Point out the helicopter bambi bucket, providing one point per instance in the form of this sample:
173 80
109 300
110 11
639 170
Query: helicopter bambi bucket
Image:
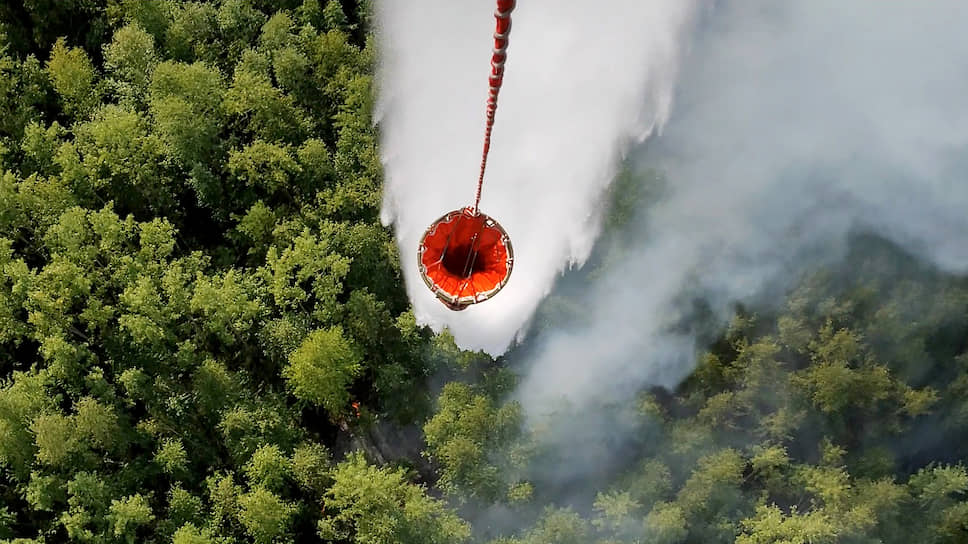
465 257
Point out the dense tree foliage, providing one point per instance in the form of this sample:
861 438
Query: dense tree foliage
196 289
204 338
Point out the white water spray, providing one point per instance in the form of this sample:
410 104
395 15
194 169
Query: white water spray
582 81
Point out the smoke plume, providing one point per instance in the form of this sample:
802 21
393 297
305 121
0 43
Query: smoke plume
795 125
582 81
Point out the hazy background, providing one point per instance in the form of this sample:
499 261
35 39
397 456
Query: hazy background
795 124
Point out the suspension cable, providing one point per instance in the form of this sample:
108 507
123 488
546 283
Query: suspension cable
499 56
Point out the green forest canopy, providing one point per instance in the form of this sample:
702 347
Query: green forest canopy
196 291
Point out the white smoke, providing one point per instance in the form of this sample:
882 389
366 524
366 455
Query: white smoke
796 123
582 81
